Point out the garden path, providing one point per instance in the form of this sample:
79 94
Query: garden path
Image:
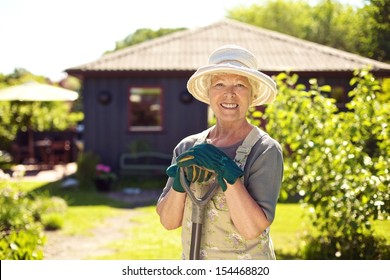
60 246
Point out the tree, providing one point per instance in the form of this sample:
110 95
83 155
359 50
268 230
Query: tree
364 30
336 25
39 116
379 14
141 35
19 76
278 15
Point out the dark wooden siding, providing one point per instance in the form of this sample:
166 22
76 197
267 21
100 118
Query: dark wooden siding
106 126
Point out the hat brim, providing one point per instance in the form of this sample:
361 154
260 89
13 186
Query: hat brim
264 92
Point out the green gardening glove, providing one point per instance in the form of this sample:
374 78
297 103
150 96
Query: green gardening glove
192 174
174 172
196 174
211 158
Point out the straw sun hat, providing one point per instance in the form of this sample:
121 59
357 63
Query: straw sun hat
233 60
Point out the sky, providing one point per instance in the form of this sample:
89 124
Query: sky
46 37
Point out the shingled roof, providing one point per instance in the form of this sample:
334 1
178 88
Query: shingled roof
189 49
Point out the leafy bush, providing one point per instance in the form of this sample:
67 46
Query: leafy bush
350 247
5 160
86 169
22 244
50 211
336 162
21 236
52 221
22 221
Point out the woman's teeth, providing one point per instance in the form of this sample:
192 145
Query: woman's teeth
229 105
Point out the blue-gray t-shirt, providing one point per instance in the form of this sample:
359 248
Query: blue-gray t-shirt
263 171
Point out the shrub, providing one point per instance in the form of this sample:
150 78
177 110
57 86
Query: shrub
22 244
5 161
86 169
336 163
351 247
52 221
23 218
21 236
50 211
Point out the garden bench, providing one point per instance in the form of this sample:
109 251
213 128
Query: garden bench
144 163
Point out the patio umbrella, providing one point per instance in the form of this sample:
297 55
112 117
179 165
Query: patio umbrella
33 91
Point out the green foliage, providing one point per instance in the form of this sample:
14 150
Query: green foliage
19 76
5 161
378 12
86 169
53 221
337 162
50 211
278 15
23 244
23 218
37 116
334 24
363 30
141 35
21 236
350 247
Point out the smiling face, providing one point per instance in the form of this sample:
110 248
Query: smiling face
230 97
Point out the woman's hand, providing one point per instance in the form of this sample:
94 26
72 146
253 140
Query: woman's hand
211 159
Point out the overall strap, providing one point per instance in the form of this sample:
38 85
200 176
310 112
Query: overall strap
245 148
243 151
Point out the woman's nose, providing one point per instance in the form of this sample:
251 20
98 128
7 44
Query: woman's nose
230 90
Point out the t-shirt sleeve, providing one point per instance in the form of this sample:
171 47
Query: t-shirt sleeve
183 145
169 182
264 174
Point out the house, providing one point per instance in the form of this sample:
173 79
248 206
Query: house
136 99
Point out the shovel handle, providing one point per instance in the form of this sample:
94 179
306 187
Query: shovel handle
199 201
198 207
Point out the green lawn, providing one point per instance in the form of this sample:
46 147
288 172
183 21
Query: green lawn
147 239
286 230
151 241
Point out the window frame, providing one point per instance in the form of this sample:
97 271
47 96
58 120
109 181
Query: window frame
145 128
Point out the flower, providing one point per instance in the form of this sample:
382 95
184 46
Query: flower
103 172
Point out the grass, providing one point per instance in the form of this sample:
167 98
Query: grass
147 239
287 229
86 209
151 241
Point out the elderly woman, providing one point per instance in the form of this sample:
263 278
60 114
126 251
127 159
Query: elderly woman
244 160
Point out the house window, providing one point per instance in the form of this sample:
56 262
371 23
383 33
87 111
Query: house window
145 112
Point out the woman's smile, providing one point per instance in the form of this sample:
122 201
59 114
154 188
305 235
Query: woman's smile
229 105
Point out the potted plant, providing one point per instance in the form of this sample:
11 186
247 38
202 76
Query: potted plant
104 177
